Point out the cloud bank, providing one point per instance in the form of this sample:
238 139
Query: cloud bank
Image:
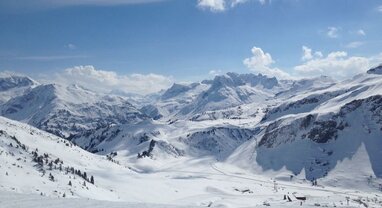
338 64
106 81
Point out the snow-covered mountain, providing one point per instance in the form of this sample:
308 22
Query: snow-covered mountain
13 85
68 110
375 70
219 138
232 90
226 95
300 120
316 133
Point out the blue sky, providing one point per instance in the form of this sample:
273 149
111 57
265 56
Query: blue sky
191 39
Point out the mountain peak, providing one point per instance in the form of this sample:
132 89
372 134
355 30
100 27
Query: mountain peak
375 70
9 80
175 90
235 79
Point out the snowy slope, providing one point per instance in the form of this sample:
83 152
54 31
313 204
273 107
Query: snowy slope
22 145
177 182
182 138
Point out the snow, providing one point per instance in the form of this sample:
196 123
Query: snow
13 85
235 141
11 200
67 110
184 181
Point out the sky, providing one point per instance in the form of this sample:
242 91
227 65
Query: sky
111 42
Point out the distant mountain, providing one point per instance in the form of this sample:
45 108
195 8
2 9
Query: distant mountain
173 100
12 85
232 90
68 110
184 101
222 96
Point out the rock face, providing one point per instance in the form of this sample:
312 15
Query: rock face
220 141
317 142
375 70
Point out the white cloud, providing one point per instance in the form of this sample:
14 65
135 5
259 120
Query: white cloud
376 60
263 1
361 32
213 5
106 81
379 8
354 44
259 58
222 5
260 62
336 64
71 46
236 2
215 72
307 53
318 54
332 32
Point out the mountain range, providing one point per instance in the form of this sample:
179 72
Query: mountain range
287 132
